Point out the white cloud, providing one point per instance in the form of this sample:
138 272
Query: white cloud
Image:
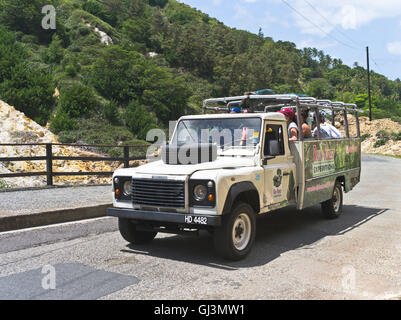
394 47
346 14
217 2
310 43
241 12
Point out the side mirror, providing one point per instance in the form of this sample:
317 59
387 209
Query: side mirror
266 158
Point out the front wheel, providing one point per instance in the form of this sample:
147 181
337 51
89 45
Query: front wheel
333 207
129 232
235 238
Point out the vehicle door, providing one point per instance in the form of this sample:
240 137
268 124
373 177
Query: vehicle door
278 165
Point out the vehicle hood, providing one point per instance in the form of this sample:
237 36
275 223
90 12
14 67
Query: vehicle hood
161 168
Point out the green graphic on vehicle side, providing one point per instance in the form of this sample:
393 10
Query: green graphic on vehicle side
325 161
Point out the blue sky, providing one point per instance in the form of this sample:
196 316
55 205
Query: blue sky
341 28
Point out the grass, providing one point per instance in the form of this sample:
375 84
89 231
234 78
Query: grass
365 136
397 136
380 142
97 130
4 185
386 155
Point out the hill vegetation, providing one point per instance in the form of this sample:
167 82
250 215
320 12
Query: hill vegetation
160 59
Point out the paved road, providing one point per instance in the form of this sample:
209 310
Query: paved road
32 201
297 255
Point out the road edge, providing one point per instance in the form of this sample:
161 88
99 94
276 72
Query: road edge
45 218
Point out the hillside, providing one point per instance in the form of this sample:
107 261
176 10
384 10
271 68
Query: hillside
122 67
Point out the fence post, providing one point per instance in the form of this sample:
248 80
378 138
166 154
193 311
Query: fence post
49 164
126 157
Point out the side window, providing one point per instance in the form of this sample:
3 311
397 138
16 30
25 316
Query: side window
274 141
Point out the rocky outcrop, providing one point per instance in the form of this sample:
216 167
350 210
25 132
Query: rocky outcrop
15 127
370 129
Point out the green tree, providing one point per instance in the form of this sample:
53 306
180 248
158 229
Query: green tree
77 100
321 89
29 89
139 120
160 3
55 52
26 16
111 112
137 30
62 122
116 74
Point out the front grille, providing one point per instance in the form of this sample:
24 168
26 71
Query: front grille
158 193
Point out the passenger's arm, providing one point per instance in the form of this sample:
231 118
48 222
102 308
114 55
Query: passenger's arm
293 134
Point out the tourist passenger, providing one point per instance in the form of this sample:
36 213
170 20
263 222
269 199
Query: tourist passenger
235 110
326 129
292 127
306 130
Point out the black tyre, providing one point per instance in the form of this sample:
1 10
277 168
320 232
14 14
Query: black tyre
129 232
235 238
333 207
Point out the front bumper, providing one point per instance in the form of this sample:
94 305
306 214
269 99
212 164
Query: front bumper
157 216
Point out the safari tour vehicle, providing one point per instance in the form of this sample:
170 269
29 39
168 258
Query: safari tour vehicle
221 170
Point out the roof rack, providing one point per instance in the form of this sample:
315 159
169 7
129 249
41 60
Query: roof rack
252 102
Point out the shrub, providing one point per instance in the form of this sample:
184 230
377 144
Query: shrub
380 142
116 74
62 122
160 3
397 136
365 136
383 134
84 31
71 70
111 112
139 120
30 91
77 100
29 39
55 52
3 185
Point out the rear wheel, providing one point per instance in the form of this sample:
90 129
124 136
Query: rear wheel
333 207
129 232
235 238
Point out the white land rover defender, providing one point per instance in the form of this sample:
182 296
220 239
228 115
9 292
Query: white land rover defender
220 171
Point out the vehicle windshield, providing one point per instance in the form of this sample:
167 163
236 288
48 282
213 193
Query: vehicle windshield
225 132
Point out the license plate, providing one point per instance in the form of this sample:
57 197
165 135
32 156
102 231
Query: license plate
196 220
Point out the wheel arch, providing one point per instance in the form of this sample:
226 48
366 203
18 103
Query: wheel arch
243 192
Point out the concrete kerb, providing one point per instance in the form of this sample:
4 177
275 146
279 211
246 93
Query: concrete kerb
9 223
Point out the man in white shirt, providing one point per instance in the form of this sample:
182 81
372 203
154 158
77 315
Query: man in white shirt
326 129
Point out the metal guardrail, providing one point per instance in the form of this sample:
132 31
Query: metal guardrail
49 158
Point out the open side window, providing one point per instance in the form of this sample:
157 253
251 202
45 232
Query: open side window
274 141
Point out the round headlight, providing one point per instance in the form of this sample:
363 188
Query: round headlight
116 181
200 192
127 188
